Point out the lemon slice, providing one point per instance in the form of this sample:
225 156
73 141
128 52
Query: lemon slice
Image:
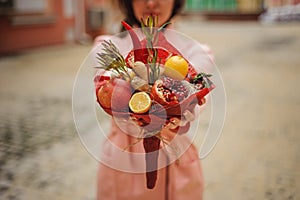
140 102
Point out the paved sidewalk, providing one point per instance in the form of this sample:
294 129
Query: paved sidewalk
257 156
41 154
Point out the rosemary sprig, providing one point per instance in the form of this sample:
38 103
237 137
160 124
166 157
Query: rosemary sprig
112 59
150 30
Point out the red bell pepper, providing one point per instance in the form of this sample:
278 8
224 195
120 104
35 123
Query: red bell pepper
139 50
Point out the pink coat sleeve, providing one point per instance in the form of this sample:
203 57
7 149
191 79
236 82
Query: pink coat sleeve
99 39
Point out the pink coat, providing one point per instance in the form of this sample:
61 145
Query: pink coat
180 180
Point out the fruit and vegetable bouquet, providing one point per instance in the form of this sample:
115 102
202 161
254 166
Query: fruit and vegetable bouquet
153 85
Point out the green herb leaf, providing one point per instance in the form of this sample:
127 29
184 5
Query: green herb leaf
163 26
150 31
203 78
112 59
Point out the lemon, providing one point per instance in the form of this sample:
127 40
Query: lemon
176 67
140 102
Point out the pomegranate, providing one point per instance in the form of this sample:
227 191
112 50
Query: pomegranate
168 91
163 95
121 95
115 94
104 94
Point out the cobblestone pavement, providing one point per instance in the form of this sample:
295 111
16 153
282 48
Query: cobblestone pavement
257 157
41 156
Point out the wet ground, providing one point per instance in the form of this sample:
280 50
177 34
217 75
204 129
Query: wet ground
257 156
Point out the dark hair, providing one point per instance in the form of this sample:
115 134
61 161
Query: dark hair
127 9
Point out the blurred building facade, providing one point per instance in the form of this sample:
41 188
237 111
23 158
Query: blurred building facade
30 23
235 6
243 9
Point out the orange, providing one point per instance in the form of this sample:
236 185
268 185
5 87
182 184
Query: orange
140 102
176 67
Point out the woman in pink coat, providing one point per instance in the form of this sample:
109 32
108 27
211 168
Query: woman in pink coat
181 179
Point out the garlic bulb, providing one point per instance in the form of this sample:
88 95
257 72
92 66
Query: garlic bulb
139 84
140 69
